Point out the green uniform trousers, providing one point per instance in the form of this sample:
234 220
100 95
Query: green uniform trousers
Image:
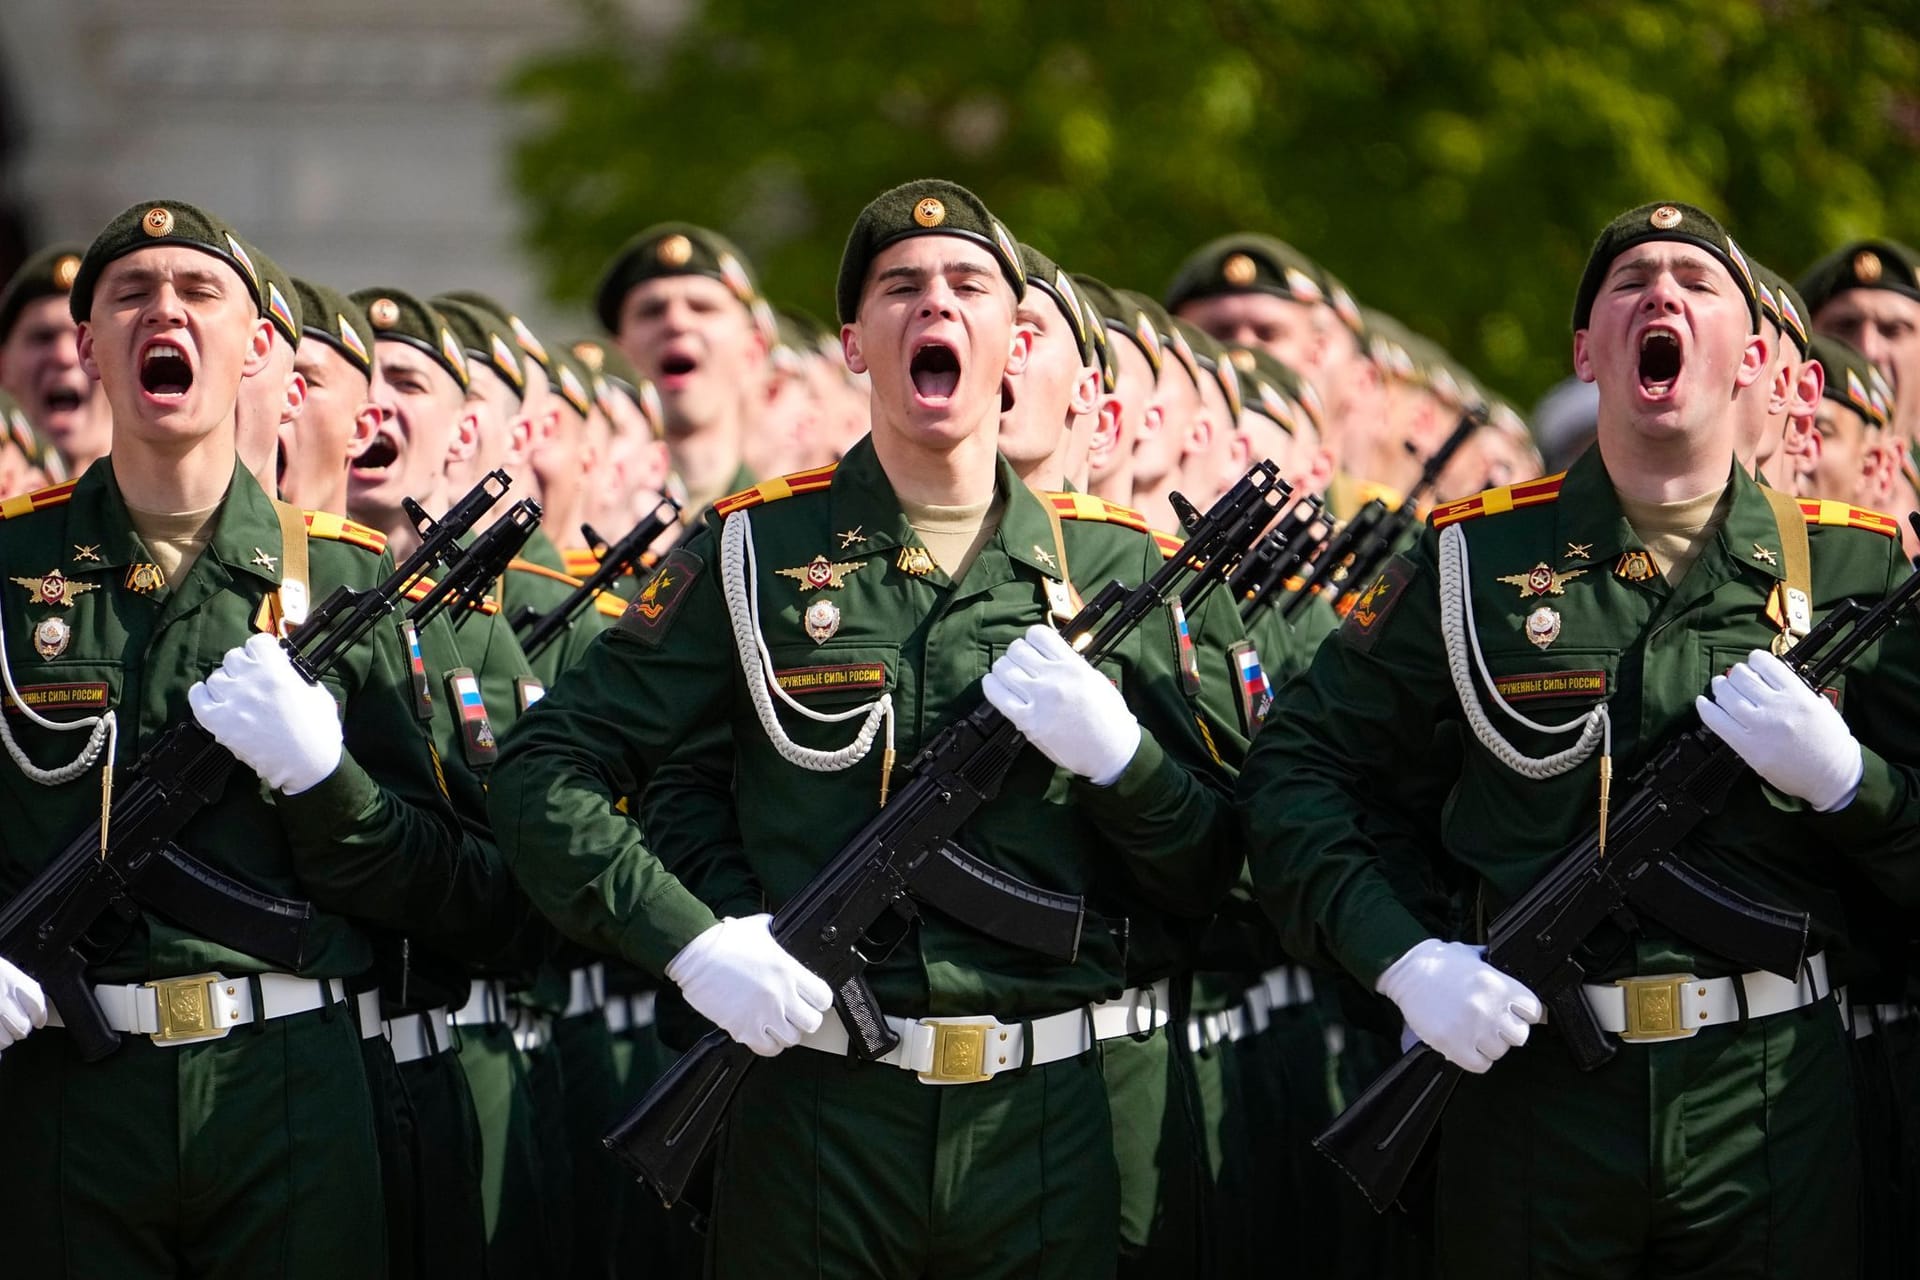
394 1140
512 1191
652 1242
450 1229
547 1085
592 1105
831 1167
1164 1183
1727 1155
250 1157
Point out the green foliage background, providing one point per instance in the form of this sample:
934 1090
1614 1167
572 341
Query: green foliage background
1449 159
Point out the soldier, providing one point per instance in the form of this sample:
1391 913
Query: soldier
1867 294
927 292
1790 388
40 362
1165 426
1850 423
681 302
1719 1139
191 1149
271 400
1134 340
335 361
23 459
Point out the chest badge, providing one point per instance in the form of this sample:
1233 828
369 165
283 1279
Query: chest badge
85 551
51 637
822 620
55 588
916 562
145 578
1543 627
822 574
1541 580
1635 566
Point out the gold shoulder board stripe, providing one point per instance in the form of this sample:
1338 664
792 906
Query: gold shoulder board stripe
1831 511
1167 543
332 528
39 500
541 571
1493 502
777 488
609 604
418 592
1084 506
580 561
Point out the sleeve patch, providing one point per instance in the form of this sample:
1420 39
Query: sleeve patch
652 611
1370 610
1251 684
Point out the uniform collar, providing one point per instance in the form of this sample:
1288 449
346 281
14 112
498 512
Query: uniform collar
245 532
1591 521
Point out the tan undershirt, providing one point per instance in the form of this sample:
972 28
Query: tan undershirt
175 538
955 534
1677 532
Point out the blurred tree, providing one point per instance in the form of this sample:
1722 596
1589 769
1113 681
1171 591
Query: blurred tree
1449 161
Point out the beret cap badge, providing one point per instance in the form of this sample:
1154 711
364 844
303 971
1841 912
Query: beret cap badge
674 251
1238 269
65 269
1866 266
1666 217
930 212
384 312
158 222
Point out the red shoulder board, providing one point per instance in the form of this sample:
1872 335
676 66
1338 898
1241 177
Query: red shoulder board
1494 501
580 561
1084 506
418 592
1168 544
333 528
1831 511
777 488
39 500
541 571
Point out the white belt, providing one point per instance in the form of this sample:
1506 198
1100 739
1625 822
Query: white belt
409 1035
1865 1019
625 1013
206 1006
1134 1012
486 1005
968 1050
1283 988
1204 1030
366 1006
1673 1006
586 990
534 1031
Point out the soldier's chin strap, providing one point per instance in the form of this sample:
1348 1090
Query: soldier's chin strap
1463 639
740 578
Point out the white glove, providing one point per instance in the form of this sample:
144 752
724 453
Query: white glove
737 977
1793 737
275 723
1063 706
23 1006
1458 1003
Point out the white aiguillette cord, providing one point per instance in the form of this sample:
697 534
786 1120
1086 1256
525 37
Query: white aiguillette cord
740 578
106 733
1462 638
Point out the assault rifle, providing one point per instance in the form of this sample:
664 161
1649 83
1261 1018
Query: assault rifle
1627 864
906 855
1384 536
468 575
1263 572
58 924
1334 556
538 630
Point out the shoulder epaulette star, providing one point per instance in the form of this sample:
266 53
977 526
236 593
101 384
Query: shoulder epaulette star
418 592
1493 502
580 561
332 528
39 500
777 488
541 571
1084 506
1833 511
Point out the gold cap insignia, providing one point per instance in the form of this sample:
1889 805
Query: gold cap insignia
930 212
1238 269
590 354
158 221
384 312
1866 266
1242 359
65 268
1666 217
674 251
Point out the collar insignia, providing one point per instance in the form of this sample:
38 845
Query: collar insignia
83 551
262 559
851 537
1579 551
1764 555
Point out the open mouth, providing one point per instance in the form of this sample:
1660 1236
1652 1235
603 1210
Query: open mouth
64 400
935 370
380 454
676 367
1659 361
1007 397
280 466
165 371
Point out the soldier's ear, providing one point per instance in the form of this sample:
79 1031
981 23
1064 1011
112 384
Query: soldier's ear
365 423
259 346
1086 392
1754 358
466 435
1019 347
296 397
83 343
1808 386
850 348
1582 359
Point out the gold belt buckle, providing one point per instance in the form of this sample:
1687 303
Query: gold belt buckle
959 1052
186 1008
1653 1007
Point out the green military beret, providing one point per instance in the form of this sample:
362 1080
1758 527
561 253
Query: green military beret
46 274
279 301
329 316
1852 380
794 342
1780 303
798 325
673 249
1664 221
927 207
523 337
614 375
1210 358
1248 263
1136 316
1275 391
400 317
1044 274
484 336
1387 344
152 223
1864 264
571 380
